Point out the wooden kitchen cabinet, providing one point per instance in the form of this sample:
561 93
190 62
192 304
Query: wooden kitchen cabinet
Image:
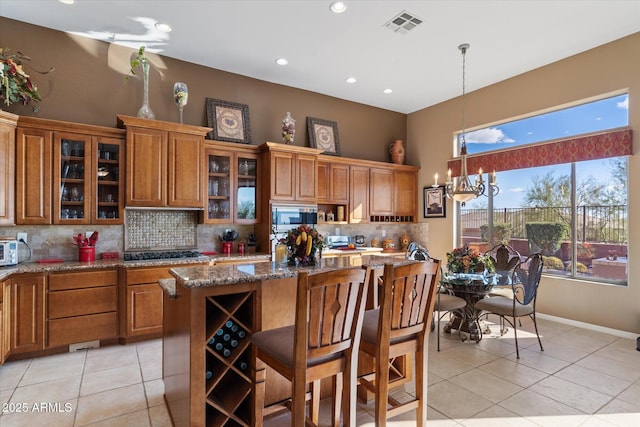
291 172
8 123
165 164
140 302
5 319
381 192
82 306
27 318
33 176
58 167
406 195
333 188
232 183
359 194
333 182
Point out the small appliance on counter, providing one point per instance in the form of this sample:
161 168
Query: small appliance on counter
8 252
338 242
359 240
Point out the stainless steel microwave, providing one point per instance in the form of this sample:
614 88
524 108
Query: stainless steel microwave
285 217
8 252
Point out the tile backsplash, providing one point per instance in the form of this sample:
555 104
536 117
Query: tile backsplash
160 229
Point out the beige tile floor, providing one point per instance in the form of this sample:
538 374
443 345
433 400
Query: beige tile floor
583 378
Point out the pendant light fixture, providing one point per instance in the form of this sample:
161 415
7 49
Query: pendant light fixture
461 188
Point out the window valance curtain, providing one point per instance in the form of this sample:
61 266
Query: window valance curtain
613 143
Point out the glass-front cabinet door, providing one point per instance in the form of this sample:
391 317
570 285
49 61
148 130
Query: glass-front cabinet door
246 189
220 179
109 188
72 183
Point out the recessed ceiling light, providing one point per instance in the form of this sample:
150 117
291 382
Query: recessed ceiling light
338 7
387 91
66 1
351 80
165 28
281 61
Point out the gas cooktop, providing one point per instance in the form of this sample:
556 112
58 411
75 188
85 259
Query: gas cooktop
142 256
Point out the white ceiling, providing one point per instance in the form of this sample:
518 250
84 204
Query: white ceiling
423 67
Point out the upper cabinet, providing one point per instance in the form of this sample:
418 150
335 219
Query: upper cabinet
333 189
68 173
358 194
165 164
406 195
381 201
232 183
291 172
393 194
8 123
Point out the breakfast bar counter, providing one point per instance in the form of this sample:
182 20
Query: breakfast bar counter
210 312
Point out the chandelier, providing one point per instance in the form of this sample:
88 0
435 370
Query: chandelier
461 188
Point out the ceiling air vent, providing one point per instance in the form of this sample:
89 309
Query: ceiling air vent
403 22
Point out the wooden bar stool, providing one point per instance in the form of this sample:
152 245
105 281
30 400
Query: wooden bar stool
399 327
323 343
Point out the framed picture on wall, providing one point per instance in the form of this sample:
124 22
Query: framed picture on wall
435 205
323 134
229 120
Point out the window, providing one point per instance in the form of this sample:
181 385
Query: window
571 207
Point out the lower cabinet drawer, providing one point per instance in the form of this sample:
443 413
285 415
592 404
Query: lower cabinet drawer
82 328
79 302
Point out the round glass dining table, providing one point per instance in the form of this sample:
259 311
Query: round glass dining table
472 288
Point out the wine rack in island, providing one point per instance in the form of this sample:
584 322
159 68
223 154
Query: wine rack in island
230 322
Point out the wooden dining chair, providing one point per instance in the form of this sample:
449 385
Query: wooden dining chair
401 326
446 303
322 343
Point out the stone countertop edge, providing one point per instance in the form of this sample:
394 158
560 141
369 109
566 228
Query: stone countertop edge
70 266
221 275
169 286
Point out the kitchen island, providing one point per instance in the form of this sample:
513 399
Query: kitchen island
210 313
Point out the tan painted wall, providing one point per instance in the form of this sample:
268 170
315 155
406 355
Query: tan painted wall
88 86
609 68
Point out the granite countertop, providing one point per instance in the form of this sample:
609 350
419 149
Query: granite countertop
67 266
220 275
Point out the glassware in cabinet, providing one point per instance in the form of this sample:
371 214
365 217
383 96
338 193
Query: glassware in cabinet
219 194
72 183
108 184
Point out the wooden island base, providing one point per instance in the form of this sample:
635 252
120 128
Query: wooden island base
205 386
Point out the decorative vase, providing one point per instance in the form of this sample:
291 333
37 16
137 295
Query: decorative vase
288 129
180 96
145 111
396 149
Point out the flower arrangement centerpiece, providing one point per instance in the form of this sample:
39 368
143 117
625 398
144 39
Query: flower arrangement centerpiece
304 244
468 260
15 84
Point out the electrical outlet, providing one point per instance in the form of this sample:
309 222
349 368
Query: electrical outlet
88 234
22 236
